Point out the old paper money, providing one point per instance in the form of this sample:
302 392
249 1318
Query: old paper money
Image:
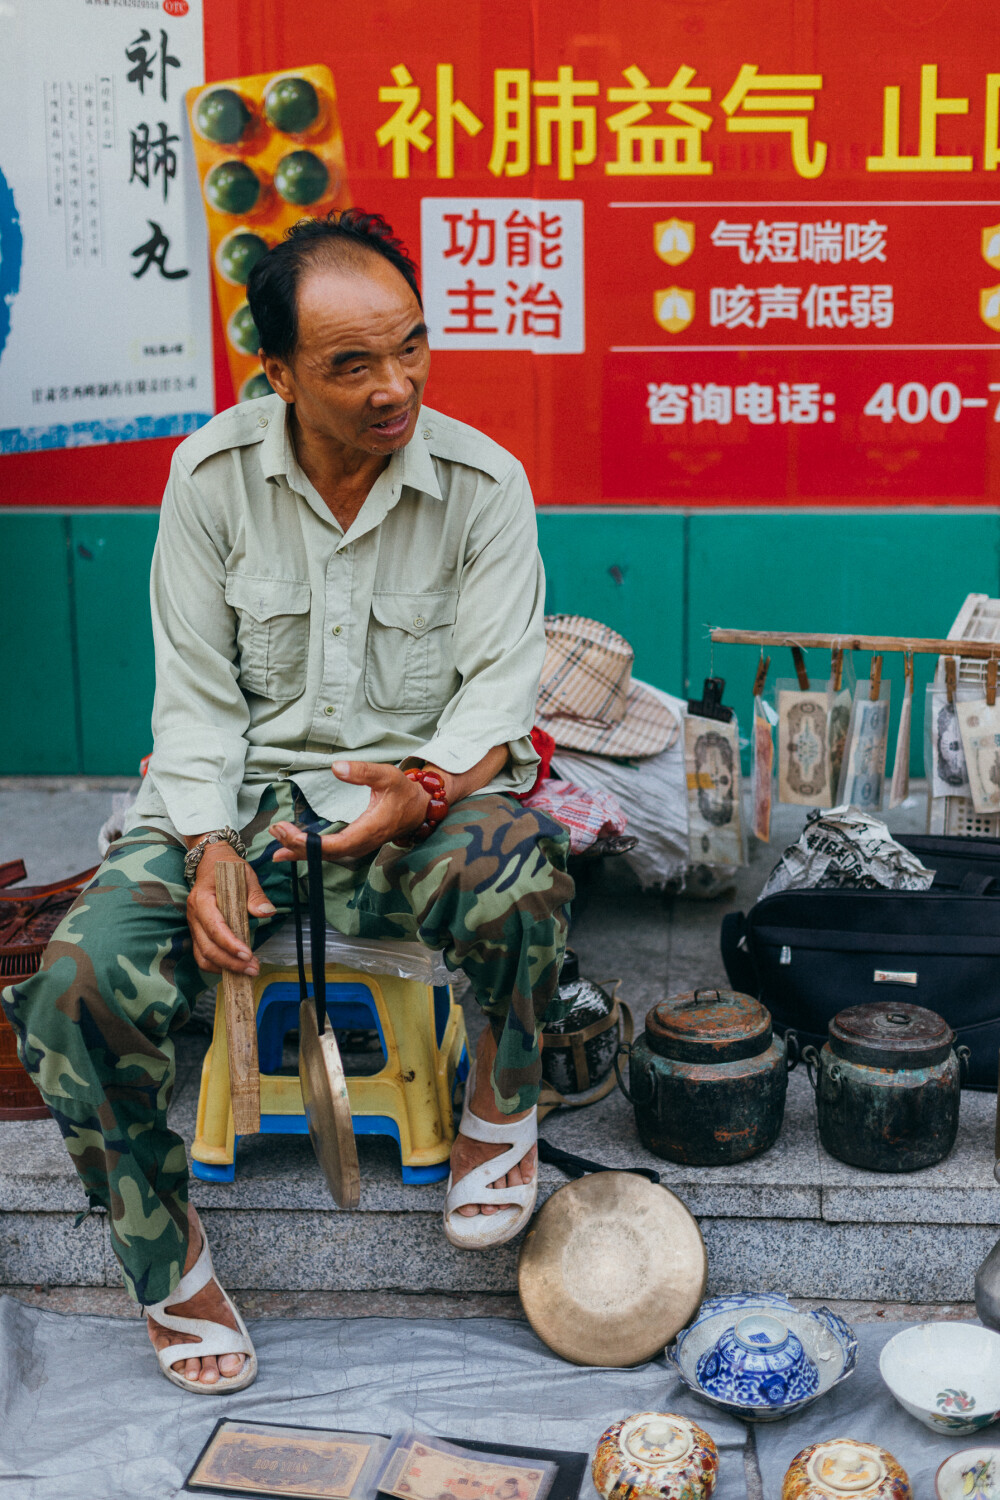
836 733
980 729
803 748
763 767
868 740
948 773
423 1471
899 788
712 764
297 1463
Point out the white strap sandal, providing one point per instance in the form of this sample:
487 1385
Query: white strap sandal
213 1338
482 1231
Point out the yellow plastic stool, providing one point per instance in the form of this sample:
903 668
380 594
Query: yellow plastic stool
422 1031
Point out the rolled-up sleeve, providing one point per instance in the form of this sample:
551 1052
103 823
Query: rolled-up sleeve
499 641
200 715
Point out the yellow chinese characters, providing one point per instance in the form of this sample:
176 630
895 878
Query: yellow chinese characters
405 130
767 112
926 158
660 127
658 150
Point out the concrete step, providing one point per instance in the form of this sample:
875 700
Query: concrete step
793 1220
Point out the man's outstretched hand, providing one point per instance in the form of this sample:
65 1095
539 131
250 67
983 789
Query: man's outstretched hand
396 809
215 946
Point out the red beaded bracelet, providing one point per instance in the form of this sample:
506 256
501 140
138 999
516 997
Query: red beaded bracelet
432 783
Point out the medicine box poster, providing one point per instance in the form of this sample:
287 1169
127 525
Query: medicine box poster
105 320
685 254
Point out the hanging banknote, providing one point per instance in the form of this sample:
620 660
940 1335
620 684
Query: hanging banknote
836 734
804 748
763 766
979 724
712 763
899 788
863 772
948 774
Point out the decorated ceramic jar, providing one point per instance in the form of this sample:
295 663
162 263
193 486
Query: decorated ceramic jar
845 1470
657 1454
758 1362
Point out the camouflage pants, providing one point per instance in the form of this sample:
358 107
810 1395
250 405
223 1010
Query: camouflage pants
94 1025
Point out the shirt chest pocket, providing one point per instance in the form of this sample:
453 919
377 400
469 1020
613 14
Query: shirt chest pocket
272 634
409 656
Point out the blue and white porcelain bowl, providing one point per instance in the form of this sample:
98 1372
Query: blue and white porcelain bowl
758 1362
759 1358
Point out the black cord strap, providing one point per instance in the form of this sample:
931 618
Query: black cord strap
317 928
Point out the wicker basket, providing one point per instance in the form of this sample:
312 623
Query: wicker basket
28 919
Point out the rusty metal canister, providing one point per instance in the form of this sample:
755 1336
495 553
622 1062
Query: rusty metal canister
708 1078
888 1086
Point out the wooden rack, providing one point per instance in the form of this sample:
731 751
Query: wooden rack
807 640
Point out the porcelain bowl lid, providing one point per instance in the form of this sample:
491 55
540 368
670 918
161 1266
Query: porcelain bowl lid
891 1034
709 1026
843 1467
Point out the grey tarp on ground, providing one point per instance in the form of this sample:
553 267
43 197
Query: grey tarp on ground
84 1415
864 1408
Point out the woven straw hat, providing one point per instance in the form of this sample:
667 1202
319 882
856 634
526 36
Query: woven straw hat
587 699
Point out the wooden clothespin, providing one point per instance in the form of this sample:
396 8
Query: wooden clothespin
837 667
761 678
800 668
950 677
710 705
876 687
991 681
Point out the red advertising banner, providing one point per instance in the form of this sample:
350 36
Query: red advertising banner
685 254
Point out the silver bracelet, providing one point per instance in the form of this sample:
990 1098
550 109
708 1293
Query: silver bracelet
221 836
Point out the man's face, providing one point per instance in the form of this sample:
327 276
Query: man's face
359 367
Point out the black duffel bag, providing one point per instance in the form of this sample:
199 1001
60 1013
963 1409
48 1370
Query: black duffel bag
809 954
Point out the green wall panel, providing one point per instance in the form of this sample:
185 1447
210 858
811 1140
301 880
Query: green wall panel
626 569
111 555
39 714
77 651
875 574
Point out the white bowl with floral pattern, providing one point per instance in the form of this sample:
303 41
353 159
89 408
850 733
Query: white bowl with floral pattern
947 1375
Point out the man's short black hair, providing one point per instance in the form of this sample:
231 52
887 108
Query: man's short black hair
338 239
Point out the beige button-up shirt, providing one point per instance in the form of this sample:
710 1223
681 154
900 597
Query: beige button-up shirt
283 643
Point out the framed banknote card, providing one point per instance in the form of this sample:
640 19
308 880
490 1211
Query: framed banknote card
804 746
862 775
418 1467
712 768
288 1463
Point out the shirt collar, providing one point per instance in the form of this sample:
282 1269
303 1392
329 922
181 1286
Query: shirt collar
411 466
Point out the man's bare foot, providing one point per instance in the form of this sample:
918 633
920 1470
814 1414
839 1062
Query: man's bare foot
210 1304
466 1153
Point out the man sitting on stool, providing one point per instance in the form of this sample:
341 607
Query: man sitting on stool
340 575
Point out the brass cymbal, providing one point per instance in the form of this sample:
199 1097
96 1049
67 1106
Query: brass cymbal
328 1109
611 1269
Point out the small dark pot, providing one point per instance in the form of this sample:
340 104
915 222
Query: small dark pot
888 1087
708 1079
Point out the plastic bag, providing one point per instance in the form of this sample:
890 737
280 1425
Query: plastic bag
371 956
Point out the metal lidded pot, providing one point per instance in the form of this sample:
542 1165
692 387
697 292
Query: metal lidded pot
888 1086
708 1078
